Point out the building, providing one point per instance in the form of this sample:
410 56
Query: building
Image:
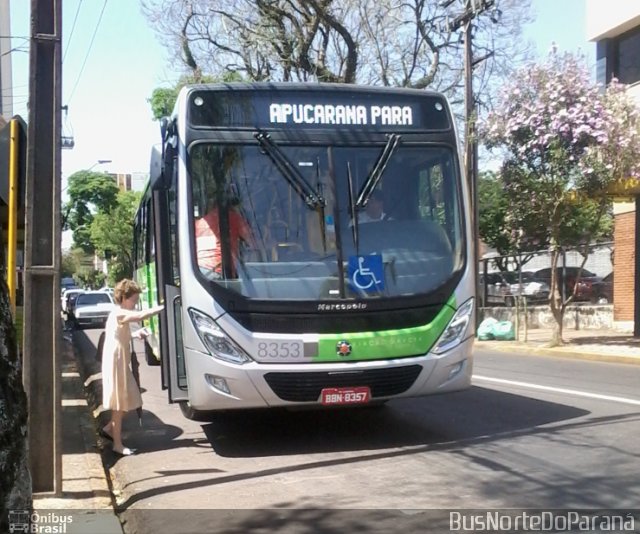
614 25
134 181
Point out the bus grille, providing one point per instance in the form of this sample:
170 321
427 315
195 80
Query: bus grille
300 323
306 387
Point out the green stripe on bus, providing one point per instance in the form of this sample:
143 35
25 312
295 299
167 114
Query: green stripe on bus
146 278
387 343
153 295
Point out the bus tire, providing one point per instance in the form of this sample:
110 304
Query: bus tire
152 361
194 415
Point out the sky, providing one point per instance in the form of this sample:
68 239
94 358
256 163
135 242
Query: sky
112 61
106 83
562 22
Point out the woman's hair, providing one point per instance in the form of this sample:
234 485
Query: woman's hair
125 289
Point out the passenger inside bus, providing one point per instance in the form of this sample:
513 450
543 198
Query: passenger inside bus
208 239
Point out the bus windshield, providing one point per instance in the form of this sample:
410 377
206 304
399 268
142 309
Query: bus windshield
268 232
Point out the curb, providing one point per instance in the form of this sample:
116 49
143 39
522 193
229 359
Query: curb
567 351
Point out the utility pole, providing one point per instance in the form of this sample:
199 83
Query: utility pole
472 9
42 327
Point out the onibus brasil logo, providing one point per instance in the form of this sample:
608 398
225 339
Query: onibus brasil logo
38 523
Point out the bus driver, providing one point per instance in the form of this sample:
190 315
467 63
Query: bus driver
374 211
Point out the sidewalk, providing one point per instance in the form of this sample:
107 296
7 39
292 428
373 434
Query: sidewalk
599 345
85 505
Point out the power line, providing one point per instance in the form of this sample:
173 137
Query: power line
15 49
13 88
73 27
84 63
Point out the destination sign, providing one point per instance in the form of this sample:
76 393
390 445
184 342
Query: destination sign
258 109
349 115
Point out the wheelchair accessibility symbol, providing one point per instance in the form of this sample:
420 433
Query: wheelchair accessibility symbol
366 273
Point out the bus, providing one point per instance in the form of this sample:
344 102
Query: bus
280 287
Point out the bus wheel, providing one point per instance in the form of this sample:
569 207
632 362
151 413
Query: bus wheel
194 415
150 356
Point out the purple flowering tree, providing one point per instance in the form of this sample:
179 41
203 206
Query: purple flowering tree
564 141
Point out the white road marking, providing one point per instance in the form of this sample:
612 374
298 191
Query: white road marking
577 393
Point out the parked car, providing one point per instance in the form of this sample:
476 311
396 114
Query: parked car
527 285
68 299
493 287
108 290
92 309
584 291
603 291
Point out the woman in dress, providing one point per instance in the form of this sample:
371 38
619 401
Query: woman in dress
120 392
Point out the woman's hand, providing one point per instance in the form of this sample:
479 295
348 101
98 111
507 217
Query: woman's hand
143 333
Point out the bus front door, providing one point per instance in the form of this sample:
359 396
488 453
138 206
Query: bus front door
173 357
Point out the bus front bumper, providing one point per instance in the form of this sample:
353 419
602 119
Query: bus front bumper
216 385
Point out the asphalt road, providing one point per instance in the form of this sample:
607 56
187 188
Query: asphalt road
532 432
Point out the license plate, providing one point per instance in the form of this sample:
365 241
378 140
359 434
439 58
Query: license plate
357 395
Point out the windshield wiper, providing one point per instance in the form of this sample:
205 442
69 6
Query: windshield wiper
311 198
353 213
378 169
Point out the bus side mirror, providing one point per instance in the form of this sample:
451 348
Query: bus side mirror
164 127
161 168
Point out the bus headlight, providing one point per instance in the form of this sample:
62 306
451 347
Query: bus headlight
217 342
453 334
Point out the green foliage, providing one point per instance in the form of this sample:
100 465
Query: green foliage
493 207
91 278
162 101
512 232
79 264
113 231
89 192
68 265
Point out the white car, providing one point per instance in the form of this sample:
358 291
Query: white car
532 288
92 309
109 290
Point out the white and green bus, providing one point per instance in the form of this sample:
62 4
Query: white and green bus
337 267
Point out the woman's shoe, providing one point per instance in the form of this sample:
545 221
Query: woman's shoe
126 451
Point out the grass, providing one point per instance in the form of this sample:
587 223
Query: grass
19 323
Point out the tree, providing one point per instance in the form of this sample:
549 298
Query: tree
15 482
68 264
379 42
91 278
88 192
113 231
514 241
565 142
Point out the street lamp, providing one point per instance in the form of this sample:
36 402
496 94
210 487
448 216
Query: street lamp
99 162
